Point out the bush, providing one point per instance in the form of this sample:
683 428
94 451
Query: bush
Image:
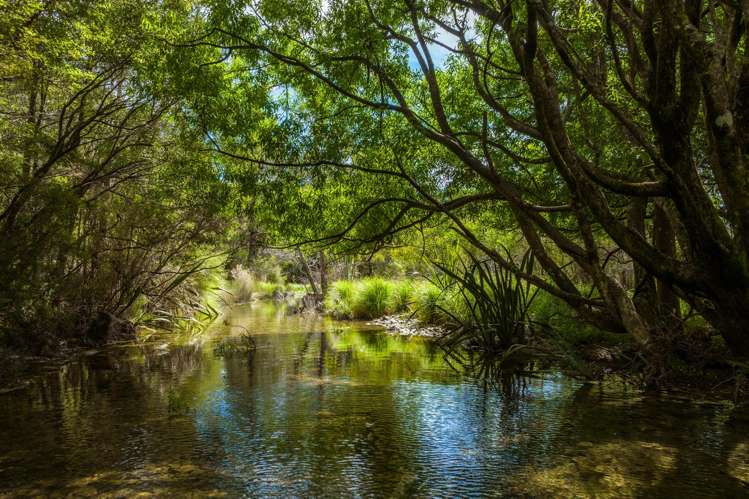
567 331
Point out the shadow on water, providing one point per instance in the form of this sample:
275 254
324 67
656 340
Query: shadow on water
616 446
305 406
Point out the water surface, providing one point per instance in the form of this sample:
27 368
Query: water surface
321 408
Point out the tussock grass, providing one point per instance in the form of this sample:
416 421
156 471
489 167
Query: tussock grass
401 295
339 299
374 297
371 298
244 286
428 301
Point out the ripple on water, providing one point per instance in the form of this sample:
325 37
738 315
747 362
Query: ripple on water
323 409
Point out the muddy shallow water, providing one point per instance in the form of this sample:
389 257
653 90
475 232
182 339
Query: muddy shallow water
322 408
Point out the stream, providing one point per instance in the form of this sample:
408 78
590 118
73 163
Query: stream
269 404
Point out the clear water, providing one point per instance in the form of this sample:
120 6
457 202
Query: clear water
332 409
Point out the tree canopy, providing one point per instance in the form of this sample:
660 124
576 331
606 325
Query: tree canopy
604 131
609 137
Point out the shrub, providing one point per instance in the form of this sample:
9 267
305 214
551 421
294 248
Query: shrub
564 328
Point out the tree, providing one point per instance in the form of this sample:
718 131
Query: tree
594 128
106 198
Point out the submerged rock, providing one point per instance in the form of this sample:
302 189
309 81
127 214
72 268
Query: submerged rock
619 468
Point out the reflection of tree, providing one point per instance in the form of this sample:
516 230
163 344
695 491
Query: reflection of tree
328 413
322 432
321 356
108 422
299 357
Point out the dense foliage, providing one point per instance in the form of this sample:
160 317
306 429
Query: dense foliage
609 138
611 135
107 203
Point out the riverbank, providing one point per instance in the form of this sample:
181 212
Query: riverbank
601 363
588 359
18 370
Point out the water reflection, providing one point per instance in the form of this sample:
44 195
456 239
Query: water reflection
313 407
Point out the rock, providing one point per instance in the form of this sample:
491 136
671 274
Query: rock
407 326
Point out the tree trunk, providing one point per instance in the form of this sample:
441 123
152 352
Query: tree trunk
664 239
645 289
308 272
323 274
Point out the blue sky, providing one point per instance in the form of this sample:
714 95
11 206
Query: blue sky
438 52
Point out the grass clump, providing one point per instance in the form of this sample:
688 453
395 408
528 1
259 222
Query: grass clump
427 303
374 297
188 305
400 297
339 300
297 288
245 285
371 298
242 284
269 289
497 303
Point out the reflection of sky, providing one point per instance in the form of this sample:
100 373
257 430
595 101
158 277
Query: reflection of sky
301 434
271 424
463 434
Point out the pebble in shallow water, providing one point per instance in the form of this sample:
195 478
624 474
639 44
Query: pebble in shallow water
407 326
